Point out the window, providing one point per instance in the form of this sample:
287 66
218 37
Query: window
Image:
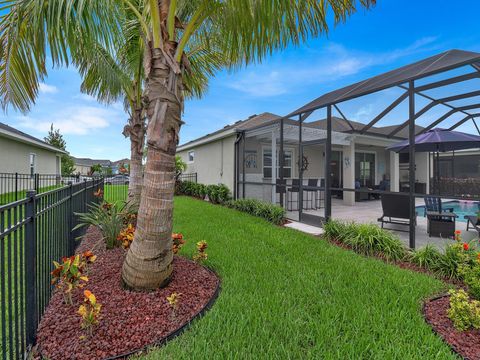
33 158
267 163
191 156
365 168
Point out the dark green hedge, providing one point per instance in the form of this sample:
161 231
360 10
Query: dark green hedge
217 194
220 194
270 212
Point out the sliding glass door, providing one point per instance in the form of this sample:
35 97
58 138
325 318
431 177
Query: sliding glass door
365 169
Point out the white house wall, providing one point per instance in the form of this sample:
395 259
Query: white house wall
15 157
213 163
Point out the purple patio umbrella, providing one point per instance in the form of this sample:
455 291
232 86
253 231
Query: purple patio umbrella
436 141
439 140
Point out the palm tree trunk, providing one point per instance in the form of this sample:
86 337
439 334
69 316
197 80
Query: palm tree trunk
148 264
136 131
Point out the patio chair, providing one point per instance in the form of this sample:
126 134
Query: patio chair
291 190
396 210
281 188
435 204
312 190
440 221
473 221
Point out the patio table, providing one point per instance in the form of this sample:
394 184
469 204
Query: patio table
441 223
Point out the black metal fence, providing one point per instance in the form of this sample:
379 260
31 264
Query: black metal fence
14 186
35 231
188 177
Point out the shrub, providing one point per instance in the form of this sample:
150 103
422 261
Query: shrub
369 239
463 312
70 274
89 311
366 239
108 218
427 257
125 237
217 194
270 212
335 229
471 277
453 258
177 242
201 255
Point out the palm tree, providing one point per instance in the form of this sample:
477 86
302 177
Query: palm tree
181 38
111 77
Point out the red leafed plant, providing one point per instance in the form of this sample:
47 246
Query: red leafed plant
126 236
69 275
89 311
201 255
178 242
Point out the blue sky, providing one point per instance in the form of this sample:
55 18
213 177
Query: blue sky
393 34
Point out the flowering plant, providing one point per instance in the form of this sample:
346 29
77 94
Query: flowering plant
458 235
126 236
178 242
174 299
98 193
89 311
69 275
201 255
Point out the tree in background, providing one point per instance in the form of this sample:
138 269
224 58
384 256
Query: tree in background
56 139
180 167
95 169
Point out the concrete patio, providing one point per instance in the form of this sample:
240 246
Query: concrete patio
370 211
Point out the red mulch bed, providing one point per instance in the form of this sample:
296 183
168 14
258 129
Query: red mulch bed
129 320
465 343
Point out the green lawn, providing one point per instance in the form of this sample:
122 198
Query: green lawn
287 295
115 193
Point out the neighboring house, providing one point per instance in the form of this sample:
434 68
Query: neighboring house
24 154
83 165
358 159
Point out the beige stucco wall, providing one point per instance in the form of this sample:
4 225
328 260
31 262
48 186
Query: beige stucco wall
214 162
15 157
83 170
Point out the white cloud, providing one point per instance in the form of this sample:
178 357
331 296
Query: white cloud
269 84
47 89
80 120
85 97
330 64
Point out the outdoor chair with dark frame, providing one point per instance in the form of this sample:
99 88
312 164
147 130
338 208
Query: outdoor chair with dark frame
473 221
295 188
396 208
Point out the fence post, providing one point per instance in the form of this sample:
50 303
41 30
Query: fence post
85 195
16 186
30 268
71 240
35 182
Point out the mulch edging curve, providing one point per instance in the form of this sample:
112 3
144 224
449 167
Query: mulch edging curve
182 328
447 332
